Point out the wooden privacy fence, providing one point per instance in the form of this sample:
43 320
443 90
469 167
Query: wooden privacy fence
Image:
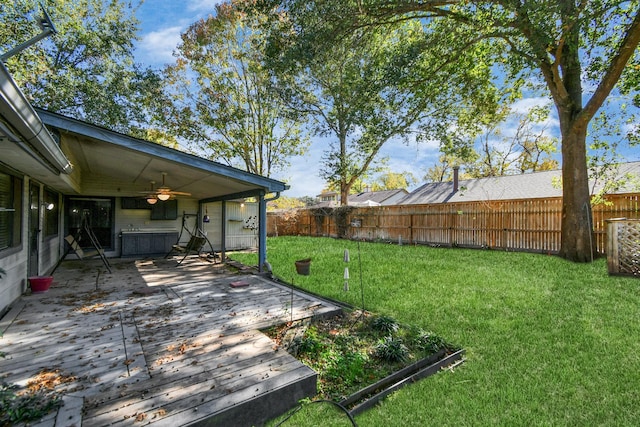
531 225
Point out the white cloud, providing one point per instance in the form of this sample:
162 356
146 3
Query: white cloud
523 106
157 47
203 5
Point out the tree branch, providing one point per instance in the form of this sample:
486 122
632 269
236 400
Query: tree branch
626 49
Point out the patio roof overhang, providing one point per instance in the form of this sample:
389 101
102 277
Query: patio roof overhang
21 128
108 163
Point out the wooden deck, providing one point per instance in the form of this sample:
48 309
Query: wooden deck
156 343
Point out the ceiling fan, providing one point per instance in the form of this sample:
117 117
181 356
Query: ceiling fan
162 193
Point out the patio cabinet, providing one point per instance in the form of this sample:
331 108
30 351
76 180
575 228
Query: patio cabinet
165 210
136 243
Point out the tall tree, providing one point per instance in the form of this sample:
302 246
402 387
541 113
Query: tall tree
86 69
566 44
222 91
367 88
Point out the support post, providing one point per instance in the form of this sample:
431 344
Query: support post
262 232
223 233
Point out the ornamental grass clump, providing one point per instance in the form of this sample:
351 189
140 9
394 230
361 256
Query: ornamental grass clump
429 342
391 349
385 324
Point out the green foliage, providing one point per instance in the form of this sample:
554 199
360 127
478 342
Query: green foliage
428 342
284 202
344 351
18 407
347 368
309 343
365 87
391 349
393 181
86 70
555 47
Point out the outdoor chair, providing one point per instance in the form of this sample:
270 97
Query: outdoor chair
195 245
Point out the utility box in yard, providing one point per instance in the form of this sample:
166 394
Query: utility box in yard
623 246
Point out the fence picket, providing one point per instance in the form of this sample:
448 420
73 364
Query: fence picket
530 225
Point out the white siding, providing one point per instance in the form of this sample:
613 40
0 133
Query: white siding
241 227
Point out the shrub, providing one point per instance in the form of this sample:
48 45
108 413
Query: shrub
309 343
18 407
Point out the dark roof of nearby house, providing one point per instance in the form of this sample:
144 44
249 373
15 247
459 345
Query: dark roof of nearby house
375 196
523 186
366 198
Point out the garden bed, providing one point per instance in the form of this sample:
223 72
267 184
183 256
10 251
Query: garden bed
361 358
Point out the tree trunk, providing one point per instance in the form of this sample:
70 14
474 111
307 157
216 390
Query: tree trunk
577 225
344 194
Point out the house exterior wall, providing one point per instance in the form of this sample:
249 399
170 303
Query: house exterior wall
15 261
242 225
240 229
213 228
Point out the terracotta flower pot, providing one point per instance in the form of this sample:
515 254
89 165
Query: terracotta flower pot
40 284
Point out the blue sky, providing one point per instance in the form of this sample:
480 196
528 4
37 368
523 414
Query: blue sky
162 22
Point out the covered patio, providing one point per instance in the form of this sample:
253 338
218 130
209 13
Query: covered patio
157 343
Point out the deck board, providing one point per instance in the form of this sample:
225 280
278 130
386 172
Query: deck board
153 343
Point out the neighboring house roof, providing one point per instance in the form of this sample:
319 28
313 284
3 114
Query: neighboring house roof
325 204
544 184
377 198
366 198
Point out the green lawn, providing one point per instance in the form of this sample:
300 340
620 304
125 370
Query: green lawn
548 342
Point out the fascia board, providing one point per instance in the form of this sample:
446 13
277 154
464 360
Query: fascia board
17 111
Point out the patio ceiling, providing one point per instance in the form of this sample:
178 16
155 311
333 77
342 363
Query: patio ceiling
110 164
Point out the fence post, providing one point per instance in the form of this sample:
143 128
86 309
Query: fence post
410 229
613 261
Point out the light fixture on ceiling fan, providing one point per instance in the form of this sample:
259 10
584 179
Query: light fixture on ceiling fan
151 197
163 192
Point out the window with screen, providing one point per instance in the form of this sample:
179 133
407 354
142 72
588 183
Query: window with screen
10 210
